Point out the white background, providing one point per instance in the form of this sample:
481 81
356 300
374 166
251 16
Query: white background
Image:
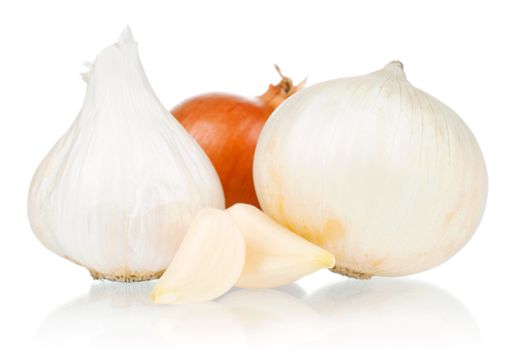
471 55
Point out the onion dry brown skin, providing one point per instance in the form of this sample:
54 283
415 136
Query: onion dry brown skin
227 127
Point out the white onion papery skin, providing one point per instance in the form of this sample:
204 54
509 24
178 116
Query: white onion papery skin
381 174
118 191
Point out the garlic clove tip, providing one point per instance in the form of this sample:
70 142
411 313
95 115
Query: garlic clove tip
326 260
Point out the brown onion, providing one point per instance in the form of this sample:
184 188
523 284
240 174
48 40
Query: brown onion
227 128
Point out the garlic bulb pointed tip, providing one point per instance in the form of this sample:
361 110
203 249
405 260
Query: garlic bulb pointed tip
126 36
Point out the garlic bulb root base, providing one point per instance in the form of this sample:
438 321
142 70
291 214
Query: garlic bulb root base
127 276
351 273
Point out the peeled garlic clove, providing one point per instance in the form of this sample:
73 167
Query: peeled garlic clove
118 191
208 263
239 246
275 256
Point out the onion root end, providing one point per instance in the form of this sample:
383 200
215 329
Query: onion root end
341 270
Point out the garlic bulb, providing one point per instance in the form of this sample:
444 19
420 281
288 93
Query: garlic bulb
378 172
118 191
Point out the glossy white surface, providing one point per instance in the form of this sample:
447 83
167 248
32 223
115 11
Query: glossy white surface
408 313
471 55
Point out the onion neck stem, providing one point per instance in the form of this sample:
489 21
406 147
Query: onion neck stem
276 94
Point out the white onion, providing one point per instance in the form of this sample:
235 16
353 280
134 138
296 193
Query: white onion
381 174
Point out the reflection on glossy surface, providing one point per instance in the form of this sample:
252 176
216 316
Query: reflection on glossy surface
274 319
393 314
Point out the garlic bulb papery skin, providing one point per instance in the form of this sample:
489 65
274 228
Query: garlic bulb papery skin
381 174
118 191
